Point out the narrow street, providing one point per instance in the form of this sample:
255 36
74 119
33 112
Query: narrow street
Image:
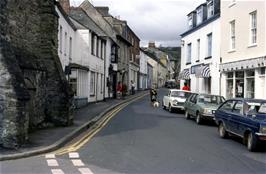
143 139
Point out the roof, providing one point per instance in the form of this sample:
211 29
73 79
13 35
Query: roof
66 17
203 24
180 90
82 18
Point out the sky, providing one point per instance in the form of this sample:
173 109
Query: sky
161 21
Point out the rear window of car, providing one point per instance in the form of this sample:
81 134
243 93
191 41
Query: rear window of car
181 94
255 108
210 99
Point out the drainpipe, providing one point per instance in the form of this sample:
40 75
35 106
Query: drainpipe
104 73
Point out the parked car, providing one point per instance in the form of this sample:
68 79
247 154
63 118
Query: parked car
170 84
245 118
175 99
202 106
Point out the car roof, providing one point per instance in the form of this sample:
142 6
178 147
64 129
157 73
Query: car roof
180 90
249 100
208 94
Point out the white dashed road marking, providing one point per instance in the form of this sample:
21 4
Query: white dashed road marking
52 162
73 155
85 171
57 171
77 162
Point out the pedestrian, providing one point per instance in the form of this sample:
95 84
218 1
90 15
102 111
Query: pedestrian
153 94
186 87
119 90
132 87
124 91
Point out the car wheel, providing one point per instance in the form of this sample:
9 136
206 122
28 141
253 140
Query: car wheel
198 118
187 115
251 142
222 132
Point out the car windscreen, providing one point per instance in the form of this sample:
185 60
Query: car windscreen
255 108
180 94
211 99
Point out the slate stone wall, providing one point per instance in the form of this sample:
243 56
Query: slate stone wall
33 90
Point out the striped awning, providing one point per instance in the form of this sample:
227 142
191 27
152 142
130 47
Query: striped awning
203 72
184 75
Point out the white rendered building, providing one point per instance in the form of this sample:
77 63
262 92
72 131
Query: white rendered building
200 51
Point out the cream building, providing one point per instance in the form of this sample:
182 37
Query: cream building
243 49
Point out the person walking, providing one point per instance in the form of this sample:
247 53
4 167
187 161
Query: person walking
153 94
132 87
186 87
119 90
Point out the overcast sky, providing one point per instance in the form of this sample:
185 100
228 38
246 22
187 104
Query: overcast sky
161 21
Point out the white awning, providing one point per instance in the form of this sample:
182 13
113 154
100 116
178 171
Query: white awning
244 64
185 74
203 72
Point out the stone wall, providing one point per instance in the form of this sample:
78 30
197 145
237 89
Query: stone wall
33 90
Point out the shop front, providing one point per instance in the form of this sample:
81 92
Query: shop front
244 79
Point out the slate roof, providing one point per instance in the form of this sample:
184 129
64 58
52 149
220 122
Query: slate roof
84 20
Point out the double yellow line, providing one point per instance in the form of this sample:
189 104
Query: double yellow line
97 127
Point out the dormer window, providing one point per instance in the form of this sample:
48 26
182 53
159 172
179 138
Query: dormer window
210 9
190 22
199 15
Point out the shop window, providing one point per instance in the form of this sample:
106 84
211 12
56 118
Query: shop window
239 74
250 80
73 81
92 84
229 85
230 75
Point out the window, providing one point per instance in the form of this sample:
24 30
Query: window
92 44
73 81
210 9
92 84
97 47
262 71
199 15
230 85
65 40
232 35
70 48
198 49
253 28
228 106
189 53
102 83
238 108
60 38
209 40
190 22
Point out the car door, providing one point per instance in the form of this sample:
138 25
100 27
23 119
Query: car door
192 103
188 103
237 118
166 99
224 113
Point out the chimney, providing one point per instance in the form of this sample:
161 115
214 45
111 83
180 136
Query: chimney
103 10
152 44
65 5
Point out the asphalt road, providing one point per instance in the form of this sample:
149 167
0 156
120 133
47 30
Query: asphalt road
143 139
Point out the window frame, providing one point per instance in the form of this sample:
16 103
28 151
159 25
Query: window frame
232 35
253 28
189 53
209 45
92 83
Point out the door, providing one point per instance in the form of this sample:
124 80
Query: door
166 99
225 113
236 120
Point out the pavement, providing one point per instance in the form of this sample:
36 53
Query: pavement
50 139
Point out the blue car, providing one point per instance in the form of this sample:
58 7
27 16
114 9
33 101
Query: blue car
245 118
